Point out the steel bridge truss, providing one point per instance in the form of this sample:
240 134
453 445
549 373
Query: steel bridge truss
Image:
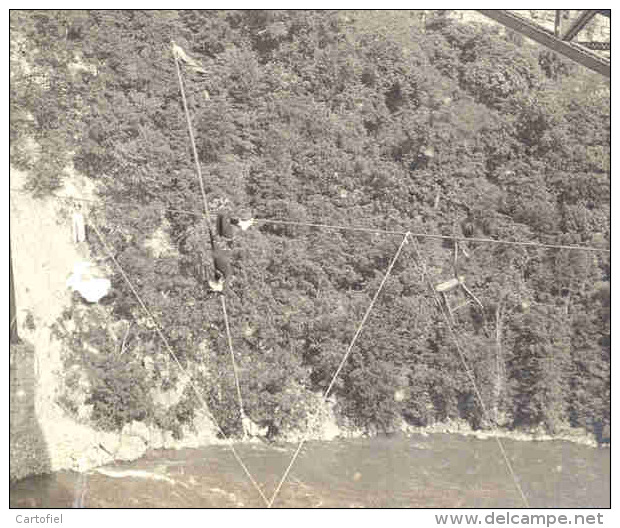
560 40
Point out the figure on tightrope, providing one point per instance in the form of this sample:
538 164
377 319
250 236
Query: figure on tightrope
221 263
226 227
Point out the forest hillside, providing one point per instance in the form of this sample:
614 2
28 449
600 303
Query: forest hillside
379 120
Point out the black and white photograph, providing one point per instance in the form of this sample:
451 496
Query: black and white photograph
317 259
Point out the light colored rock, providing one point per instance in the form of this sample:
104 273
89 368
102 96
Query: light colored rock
159 242
156 438
84 280
149 364
130 448
253 429
138 429
84 412
170 397
79 65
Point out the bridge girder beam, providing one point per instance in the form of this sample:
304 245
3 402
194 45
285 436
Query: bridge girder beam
573 51
579 23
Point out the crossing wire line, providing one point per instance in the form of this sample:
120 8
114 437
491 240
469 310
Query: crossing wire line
360 327
391 232
368 229
461 355
55 294
405 234
194 151
342 363
422 265
326 394
430 235
232 355
208 218
158 329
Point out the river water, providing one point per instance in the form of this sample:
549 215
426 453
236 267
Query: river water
434 471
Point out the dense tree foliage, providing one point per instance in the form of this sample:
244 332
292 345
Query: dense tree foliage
353 118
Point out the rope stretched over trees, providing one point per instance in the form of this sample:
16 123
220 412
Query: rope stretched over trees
526 243
205 409
406 234
422 265
232 357
344 359
430 235
328 390
206 207
195 152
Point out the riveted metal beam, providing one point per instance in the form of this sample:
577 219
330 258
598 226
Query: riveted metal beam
573 51
579 23
599 46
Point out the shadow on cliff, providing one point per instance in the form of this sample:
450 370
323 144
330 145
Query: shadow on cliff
29 456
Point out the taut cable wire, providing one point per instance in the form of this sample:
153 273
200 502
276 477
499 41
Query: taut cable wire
329 226
366 229
205 409
430 235
232 355
470 375
344 359
207 215
195 152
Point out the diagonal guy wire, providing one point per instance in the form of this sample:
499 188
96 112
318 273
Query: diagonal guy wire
344 359
232 356
422 265
206 410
